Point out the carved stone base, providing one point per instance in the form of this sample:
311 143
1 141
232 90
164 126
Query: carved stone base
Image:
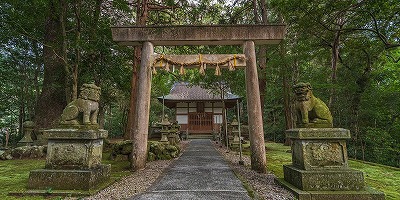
319 169
73 160
364 194
340 180
74 148
68 179
319 148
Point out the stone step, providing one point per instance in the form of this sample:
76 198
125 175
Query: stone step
199 136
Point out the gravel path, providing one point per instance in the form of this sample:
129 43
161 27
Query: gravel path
139 181
201 173
262 184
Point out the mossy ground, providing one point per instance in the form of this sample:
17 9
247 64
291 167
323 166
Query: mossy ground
380 177
15 173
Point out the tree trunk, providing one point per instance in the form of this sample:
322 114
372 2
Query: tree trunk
289 121
52 98
129 130
139 146
256 130
74 86
262 53
142 12
334 61
262 78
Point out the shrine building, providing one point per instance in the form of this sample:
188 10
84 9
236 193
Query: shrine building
198 111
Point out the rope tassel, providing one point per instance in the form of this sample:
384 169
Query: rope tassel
230 66
154 71
182 70
201 70
217 71
167 67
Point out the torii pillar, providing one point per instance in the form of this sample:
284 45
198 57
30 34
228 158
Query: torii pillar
246 35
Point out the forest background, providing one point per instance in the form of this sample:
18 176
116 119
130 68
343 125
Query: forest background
348 50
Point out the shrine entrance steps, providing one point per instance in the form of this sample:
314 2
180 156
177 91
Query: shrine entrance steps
200 173
200 136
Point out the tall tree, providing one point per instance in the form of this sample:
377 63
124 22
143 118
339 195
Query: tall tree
53 93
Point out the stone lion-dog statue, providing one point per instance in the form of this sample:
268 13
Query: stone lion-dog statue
84 109
311 111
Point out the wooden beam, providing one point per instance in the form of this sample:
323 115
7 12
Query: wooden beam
198 35
193 61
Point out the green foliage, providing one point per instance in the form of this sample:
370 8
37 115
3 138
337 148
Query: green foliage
381 147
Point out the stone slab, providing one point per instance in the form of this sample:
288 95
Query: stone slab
324 180
75 134
200 178
209 161
53 193
68 179
179 195
365 194
198 34
318 133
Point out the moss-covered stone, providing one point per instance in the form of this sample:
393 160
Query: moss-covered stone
311 111
318 133
155 150
68 179
320 169
365 194
323 180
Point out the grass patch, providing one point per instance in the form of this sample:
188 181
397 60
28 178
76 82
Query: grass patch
15 174
380 177
385 179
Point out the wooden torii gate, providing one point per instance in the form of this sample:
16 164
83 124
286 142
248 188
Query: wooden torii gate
246 35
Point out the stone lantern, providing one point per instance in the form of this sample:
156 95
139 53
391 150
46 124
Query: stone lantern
165 125
235 132
28 127
173 135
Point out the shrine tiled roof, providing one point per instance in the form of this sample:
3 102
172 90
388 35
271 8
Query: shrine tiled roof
184 91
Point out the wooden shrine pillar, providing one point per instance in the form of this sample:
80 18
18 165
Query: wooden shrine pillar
141 127
256 132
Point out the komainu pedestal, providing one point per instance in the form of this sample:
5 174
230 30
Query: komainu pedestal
73 160
320 169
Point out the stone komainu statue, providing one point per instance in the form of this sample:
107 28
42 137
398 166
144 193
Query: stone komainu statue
311 111
84 110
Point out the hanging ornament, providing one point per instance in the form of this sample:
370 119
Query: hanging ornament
234 60
182 70
173 68
167 67
161 61
204 66
230 66
201 70
154 71
217 71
